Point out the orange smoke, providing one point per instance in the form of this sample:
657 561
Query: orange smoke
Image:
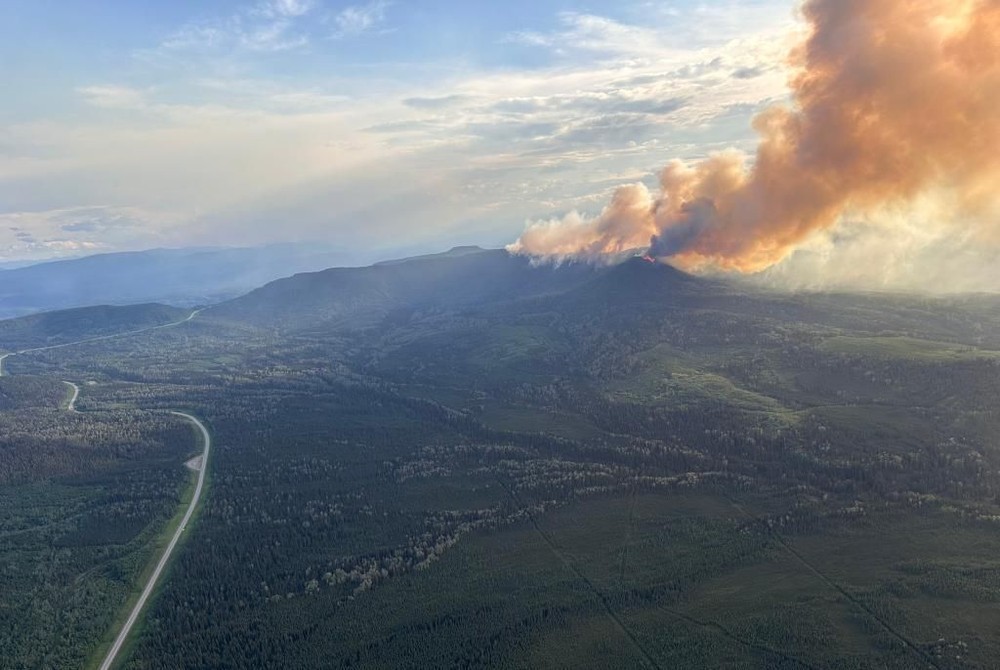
891 99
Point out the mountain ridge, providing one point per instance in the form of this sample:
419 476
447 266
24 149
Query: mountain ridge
452 280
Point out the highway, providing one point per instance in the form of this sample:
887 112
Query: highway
97 339
147 590
165 558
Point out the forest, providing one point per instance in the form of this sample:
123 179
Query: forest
689 474
82 496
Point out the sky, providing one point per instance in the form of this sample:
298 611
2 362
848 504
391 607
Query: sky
416 124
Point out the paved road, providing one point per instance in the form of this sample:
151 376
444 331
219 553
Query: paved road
151 584
71 407
206 438
97 339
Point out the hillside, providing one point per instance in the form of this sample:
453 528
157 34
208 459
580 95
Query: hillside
635 291
70 325
467 460
183 277
362 296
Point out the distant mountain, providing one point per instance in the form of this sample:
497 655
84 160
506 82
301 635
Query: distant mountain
14 265
183 277
454 252
464 276
70 325
632 294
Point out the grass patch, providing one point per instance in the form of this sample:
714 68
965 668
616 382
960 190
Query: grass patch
905 348
665 375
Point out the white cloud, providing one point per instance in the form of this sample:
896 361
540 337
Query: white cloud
287 8
588 32
359 19
662 33
270 96
65 232
269 26
113 97
225 154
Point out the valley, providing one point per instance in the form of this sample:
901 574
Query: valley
467 460
720 390
197 464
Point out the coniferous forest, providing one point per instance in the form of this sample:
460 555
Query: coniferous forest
625 467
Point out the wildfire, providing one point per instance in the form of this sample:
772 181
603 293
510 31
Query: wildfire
892 100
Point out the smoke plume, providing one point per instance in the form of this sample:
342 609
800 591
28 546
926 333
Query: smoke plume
892 99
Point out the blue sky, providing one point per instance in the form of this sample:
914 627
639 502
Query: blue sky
379 125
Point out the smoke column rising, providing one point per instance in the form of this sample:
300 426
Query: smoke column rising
892 98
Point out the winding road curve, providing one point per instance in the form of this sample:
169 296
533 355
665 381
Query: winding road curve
151 584
71 405
206 437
